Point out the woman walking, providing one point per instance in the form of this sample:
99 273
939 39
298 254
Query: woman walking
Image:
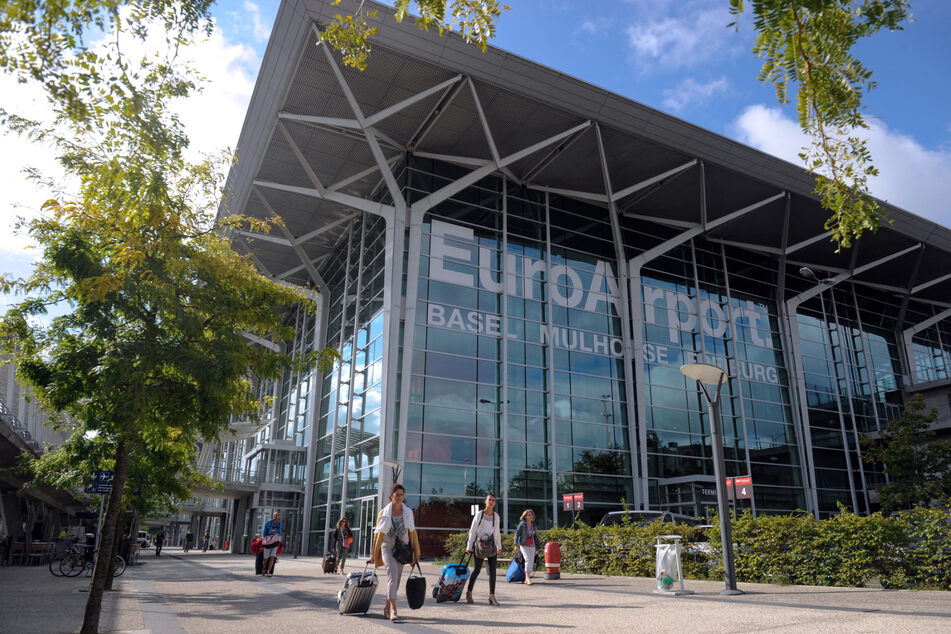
394 544
485 541
343 538
273 529
525 542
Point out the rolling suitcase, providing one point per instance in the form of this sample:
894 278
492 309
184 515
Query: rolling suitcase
452 581
515 573
357 592
330 564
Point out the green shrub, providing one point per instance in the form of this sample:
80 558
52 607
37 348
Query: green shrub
910 550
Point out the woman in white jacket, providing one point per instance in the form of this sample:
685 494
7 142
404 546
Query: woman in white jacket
485 542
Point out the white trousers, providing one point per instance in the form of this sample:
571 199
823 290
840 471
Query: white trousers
394 571
529 553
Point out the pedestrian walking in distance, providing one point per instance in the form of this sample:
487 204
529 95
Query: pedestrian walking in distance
526 542
159 542
273 529
204 541
485 542
189 540
394 544
343 539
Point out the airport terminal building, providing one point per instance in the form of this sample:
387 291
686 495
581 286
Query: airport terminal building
514 265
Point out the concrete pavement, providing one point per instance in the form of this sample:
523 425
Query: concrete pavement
217 592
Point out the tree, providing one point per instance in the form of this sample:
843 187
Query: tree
919 468
150 353
803 42
474 19
809 43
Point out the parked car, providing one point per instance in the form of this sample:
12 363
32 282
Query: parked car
643 518
144 539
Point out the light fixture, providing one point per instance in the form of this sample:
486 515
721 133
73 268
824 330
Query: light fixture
706 374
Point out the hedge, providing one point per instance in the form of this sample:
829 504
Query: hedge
908 550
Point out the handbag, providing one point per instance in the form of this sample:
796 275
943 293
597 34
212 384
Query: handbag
485 545
416 589
271 541
402 552
519 558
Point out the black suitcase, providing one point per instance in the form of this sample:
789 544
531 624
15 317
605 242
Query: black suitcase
357 592
258 563
330 563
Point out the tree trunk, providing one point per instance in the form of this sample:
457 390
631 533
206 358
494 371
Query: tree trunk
103 563
116 536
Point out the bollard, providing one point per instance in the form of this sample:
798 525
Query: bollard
552 560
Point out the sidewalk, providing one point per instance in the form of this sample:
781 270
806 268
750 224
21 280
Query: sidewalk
217 592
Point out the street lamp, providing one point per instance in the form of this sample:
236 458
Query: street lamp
705 374
396 469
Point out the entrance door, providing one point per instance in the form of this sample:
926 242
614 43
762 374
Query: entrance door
363 531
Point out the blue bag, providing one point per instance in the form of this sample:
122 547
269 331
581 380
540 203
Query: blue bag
515 573
452 581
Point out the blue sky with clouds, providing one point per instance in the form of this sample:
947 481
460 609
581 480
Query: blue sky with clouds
674 55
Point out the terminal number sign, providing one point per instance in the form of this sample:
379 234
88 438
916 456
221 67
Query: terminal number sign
573 502
740 488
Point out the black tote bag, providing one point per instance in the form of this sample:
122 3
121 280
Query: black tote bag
415 589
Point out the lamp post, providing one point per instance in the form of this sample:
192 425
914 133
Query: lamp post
710 375
396 468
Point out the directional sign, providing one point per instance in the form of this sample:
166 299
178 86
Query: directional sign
742 485
101 482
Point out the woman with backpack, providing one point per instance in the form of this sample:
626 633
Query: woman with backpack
343 538
485 542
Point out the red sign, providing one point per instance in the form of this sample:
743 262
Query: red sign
573 501
743 487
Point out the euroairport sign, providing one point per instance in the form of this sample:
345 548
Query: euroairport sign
456 258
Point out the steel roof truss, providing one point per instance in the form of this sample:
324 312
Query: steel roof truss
263 236
311 175
627 191
323 229
406 103
807 242
455 187
298 249
338 197
930 283
333 122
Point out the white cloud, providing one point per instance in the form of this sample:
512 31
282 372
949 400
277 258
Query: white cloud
261 30
690 91
212 117
593 27
910 175
681 42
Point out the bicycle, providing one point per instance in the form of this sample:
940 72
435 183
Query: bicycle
76 562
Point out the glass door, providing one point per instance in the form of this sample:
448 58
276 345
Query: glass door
363 531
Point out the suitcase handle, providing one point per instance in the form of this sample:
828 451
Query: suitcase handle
466 558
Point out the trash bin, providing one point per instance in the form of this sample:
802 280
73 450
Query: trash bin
668 569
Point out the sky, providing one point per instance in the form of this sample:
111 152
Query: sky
677 56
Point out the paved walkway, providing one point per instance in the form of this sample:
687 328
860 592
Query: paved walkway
217 592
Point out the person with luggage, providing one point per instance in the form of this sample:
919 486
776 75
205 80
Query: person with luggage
159 541
343 539
526 541
189 540
485 542
273 529
395 544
